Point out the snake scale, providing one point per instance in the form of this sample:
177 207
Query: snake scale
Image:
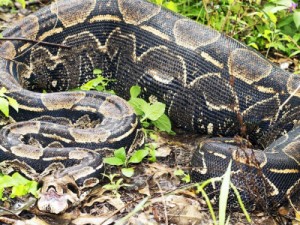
211 84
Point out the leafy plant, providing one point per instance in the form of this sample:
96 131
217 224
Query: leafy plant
114 185
223 198
6 101
121 159
19 185
183 176
100 83
150 113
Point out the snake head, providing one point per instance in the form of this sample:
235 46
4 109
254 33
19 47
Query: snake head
57 194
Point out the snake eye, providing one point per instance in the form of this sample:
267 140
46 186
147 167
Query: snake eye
73 188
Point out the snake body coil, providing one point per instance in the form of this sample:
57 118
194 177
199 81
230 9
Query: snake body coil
210 83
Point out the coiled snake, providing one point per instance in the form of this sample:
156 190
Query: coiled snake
210 83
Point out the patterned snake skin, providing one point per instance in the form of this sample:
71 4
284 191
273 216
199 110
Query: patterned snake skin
210 83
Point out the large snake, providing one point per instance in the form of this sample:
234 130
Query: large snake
210 83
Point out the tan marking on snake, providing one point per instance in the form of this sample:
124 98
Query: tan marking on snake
53 103
68 13
30 127
243 63
57 158
156 32
292 151
57 137
83 172
188 34
100 18
30 153
257 159
8 50
293 85
210 59
285 171
86 136
137 12
50 33
78 154
30 27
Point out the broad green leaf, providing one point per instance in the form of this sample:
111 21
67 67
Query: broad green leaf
154 111
128 172
19 179
163 123
4 106
6 181
19 190
135 91
138 156
138 104
121 154
13 103
113 161
297 19
33 188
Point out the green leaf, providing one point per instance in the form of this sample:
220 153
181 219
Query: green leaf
138 104
128 172
171 6
4 106
135 91
97 71
113 161
154 111
13 103
296 17
163 123
138 156
19 179
6 181
121 154
179 172
23 3
18 191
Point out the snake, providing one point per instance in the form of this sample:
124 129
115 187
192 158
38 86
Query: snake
211 84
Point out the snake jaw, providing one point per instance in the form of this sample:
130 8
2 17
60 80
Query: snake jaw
57 194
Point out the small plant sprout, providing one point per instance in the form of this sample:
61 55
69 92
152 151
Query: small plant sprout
182 175
150 113
99 83
121 159
114 185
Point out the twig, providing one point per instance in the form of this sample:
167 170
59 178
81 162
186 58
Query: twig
34 41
